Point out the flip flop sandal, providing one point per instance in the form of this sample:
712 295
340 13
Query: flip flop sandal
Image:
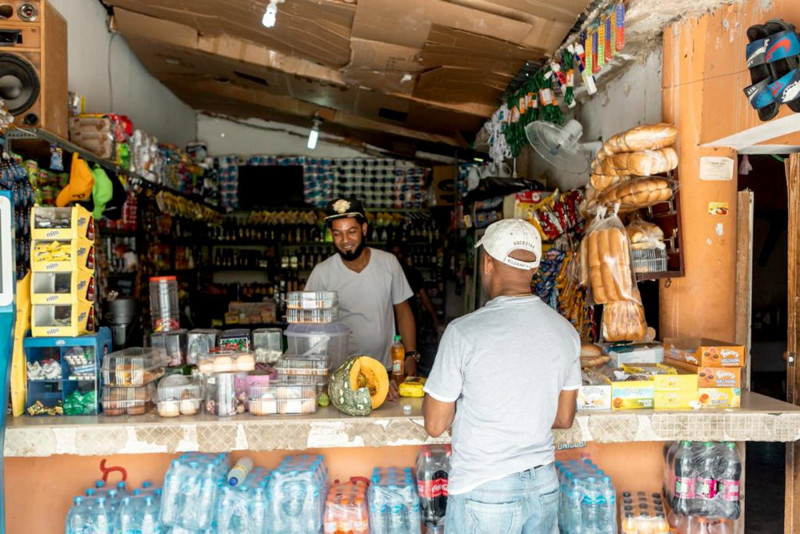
783 58
759 94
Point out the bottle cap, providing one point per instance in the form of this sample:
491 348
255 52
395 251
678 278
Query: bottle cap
397 338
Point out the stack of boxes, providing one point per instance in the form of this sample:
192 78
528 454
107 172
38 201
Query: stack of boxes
95 134
62 265
716 365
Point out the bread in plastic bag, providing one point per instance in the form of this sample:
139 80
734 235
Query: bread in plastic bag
644 235
646 137
601 182
637 193
642 163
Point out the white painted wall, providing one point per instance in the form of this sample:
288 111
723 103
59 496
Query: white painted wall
149 104
247 138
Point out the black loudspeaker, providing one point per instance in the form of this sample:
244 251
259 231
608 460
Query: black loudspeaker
19 86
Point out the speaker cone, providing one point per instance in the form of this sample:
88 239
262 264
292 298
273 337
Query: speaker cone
19 83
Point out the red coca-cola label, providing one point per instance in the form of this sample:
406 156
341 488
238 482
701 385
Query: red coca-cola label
729 489
706 488
685 487
425 489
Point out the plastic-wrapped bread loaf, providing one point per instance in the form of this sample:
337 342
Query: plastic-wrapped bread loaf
623 321
644 163
636 194
594 264
601 182
609 265
648 137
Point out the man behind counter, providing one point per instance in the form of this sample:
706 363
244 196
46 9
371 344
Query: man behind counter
371 286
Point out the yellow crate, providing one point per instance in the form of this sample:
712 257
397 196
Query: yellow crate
62 287
62 320
46 223
60 256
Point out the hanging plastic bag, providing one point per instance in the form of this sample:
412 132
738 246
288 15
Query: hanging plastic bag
643 234
637 193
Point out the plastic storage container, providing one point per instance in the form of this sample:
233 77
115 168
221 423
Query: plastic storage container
134 367
319 340
296 316
221 397
200 341
178 395
268 345
283 397
226 361
164 307
172 344
128 400
313 369
237 339
312 300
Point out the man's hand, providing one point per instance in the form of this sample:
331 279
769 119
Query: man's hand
393 394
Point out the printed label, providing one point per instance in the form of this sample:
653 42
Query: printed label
729 490
706 488
425 489
397 367
684 487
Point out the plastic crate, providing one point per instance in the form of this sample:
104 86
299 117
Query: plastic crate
649 260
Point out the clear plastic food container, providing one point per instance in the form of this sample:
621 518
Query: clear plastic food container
199 341
172 344
133 367
221 396
237 339
319 340
312 300
268 345
178 395
298 316
128 400
282 397
226 361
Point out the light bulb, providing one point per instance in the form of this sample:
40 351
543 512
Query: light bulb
313 135
270 15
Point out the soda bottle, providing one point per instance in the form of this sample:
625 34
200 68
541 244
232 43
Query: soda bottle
683 501
729 476
669 469
398 353
425 485
706 485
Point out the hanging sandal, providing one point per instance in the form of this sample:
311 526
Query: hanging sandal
783 59
759 94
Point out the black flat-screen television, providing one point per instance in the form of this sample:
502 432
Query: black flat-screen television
270 186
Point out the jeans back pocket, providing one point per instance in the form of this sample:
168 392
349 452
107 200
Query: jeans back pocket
494 518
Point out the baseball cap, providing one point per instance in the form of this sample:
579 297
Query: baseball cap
102 191
345 207
80 183
505 236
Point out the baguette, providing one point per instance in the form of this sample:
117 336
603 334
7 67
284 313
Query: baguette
608 265
647 137
623 321
601 182
583 252
595 276
618 249
640 193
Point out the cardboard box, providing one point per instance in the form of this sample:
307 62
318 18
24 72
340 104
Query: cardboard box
44 221
62 320
594 397
68 256
705 352
634 395
675 391
644 353
712 377
62 287
720 397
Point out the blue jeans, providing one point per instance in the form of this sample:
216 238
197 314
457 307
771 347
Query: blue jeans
525 502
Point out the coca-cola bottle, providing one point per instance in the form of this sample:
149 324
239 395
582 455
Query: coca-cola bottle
425 485
729 476
706 480
440 483
684 495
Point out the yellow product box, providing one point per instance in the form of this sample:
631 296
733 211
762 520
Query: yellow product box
58 256
632 395
678 399
682 381
720 397
704 352
594 397
62 287
62 320
61 223
712 377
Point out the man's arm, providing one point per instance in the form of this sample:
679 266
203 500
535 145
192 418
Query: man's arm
438 415
565 415
428 305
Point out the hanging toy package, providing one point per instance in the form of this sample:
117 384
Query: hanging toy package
56 158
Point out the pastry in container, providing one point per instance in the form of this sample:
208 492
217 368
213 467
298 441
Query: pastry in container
178 395
221 397
200 341
267 345
283 397
173 345
226 361
133 367
303 316
311 369
312 300
128 400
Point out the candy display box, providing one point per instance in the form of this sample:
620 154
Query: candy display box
62 287
63 373
705 352
62 255
61 223
62 320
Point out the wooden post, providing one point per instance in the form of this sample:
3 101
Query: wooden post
744 277
792 502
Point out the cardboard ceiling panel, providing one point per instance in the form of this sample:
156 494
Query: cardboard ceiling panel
418 71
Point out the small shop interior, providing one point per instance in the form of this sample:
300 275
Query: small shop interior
168 166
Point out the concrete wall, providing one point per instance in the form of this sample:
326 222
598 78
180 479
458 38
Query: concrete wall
149 104
258 137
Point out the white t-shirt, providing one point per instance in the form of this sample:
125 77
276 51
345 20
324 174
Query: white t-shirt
504 366
366 299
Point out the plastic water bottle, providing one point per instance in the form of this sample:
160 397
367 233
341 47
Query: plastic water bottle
574 505
102 518
590 516
171 491
258 509
608 509
240 471
127 520
76 518
149 515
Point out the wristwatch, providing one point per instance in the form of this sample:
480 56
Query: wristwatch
414 354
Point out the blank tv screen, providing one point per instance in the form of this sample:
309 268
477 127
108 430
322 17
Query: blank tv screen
270 186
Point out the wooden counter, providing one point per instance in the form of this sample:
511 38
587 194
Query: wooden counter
759 419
